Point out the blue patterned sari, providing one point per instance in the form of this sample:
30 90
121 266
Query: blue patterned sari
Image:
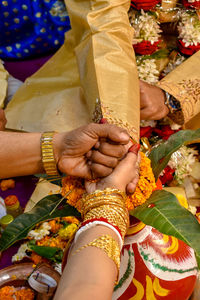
31 27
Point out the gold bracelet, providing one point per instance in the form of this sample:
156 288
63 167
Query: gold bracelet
121 220
103 193
48 159
94 204
109 245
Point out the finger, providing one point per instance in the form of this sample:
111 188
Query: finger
131 187
88 154
90 186
109 131
126 168
99 158
99 170
145 114
114 150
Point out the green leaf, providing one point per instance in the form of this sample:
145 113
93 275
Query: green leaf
48 252
42 211
160 155
57 180
163 212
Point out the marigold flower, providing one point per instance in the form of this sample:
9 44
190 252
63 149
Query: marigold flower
71 220
55 226
11 200
7 184
7 292
52 242
10 293
24 294
67 232
37 259
76 189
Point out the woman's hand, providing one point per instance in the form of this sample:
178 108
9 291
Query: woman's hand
91 151
124 177
3 120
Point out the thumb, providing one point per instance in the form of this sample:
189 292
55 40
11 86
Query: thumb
109 131
126 168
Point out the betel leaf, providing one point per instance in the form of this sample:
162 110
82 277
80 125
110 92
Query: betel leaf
163 212
51 253
161 155
42 211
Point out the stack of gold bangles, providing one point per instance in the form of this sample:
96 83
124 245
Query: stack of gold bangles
108 208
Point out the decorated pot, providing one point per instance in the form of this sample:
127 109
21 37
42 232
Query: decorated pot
155 266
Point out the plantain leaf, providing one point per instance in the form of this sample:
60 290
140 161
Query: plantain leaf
161 155
163 212
42 211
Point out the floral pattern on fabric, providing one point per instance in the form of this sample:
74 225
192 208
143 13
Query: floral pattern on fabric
31 27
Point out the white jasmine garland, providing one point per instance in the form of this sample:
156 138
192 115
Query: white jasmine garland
146 28
189 29
40 232
147 70
21 253
182 161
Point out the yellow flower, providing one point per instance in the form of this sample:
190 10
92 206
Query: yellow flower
68 232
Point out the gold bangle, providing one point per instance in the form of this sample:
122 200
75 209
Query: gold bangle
121 220
48 159
99 203
109 245
107 191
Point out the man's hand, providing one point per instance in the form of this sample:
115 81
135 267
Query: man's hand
152 102
91 151
3 120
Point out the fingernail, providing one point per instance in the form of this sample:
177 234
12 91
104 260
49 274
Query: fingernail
103 121
134 149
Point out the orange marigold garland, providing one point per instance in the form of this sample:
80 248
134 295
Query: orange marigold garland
10 292
77 189
146 185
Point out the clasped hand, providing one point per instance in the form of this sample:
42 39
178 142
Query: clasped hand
95 151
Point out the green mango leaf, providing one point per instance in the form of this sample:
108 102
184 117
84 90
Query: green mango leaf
51 253
52 179
43 210
161 155
163 212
